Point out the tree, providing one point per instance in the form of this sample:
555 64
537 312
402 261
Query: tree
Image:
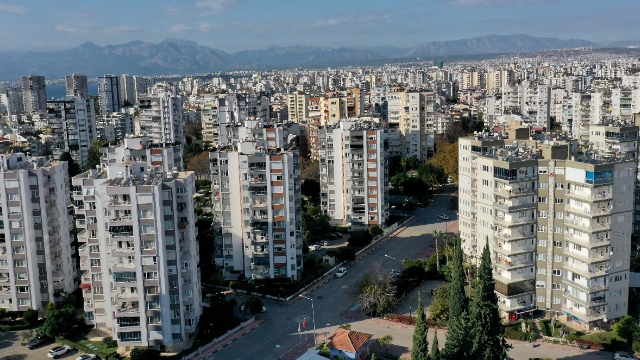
385 342
73 168
346 326
447 157
50 306
457 345
144 354
254 304
627 328
93 157
30 316
375 291
194 131
310 171
59 322
199 164
435 349
439 309
3 313
315 224
360 239
487 333
376 230
420 348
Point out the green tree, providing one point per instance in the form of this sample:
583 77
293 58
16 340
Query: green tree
30 316
254 304
457 345
73 168
50 306
346 326
59 322
144 354
199 164
439 309
447 157
486 329
93 158
315 224
375 230
3 313
435 349
627 328
420 348
360 239
385 342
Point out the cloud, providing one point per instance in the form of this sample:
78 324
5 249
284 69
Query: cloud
475 3
74 28
204 27
215 7
15 9
120 30
349 19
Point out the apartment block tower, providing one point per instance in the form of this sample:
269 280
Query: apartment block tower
72 122
558 223
109 94
161 118
411 123
34 93
298 106
139 150
37 258
139 254
257 211
353 174
77 85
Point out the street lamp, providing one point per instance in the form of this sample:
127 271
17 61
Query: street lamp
313 314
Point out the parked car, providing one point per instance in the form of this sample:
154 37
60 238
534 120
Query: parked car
337 235
314 247
331 236
341 272
38 341
443 217
622 355
264 309
395 272
323 243
87 357
58 351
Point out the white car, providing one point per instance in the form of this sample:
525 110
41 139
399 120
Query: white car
315 247
395 272
58 351
443 217
621 355
323 243
87 357
341 272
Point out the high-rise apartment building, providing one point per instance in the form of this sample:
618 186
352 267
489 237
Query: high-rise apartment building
298 106
411 123
37 263
109 94
127 86
34 93
77 85
139 150
257 211
353 174
72 122
139 254
558 223
161 118
222 114
115 126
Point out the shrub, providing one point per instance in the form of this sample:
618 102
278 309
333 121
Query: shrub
399 318
514 334
30 316
144 354
109 342
595 345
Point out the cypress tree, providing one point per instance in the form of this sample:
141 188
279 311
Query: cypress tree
420 349
457 345
488 342
435 350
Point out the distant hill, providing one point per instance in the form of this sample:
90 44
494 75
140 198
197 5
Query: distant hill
175 56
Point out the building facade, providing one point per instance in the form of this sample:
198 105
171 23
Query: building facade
77 85
109 94
72 123
161 118
34 93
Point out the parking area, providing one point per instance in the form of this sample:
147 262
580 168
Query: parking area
332 245
10 348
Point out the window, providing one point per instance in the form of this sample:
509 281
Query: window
149 260
556 272
23 289
23 301
154 320
151 275
95 262
542 214
542 257
559 200
542 199
542 271
96 277
542 228
146 229
540 284
557 258
175 314
174 299
94 248
557 229
189 322
98 290
557 244
542 242
559 215
542 185
559 185
151 290
185 265
153 305
18 263
556 300
169 225
555 286
540 298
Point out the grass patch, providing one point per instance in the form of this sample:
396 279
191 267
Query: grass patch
605 337
514 332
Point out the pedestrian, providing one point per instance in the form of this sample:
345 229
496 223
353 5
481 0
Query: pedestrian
530 338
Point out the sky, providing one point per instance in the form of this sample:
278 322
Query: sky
234 25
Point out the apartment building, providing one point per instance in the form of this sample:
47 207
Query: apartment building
128 93
72 124
34 93
257 211
37 258
138 151
161 117
139 254
222 112
77 85
411 123
353 174
115 126
109 94
558 223
298 106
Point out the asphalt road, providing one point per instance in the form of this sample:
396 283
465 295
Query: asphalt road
333 299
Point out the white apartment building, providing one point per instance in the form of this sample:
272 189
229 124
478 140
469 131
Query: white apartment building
109 94
353 174
161 118
127 86
116 126
138 151
139 256
77 85
411 123
37 258
34 93
298 106
72 122
558 224
223 112
257 211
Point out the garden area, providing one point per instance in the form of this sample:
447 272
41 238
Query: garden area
523 331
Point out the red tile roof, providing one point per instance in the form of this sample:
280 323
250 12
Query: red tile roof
347 340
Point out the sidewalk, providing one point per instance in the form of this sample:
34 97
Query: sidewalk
228 340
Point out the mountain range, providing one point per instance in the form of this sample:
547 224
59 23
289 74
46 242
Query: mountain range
175 56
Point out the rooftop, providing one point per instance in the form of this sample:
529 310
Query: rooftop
347 340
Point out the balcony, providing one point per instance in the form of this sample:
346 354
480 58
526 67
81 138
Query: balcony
513 221
587 225
590 211
588 256
507 263
595 300
592 241
587 271
511 248
588 286
128 308
595 195
586 314
509 192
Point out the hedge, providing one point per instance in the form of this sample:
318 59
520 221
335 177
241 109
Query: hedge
83 348
19 325
411 320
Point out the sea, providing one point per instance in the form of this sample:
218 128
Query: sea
60 91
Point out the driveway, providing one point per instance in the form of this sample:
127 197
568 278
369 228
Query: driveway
10 345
